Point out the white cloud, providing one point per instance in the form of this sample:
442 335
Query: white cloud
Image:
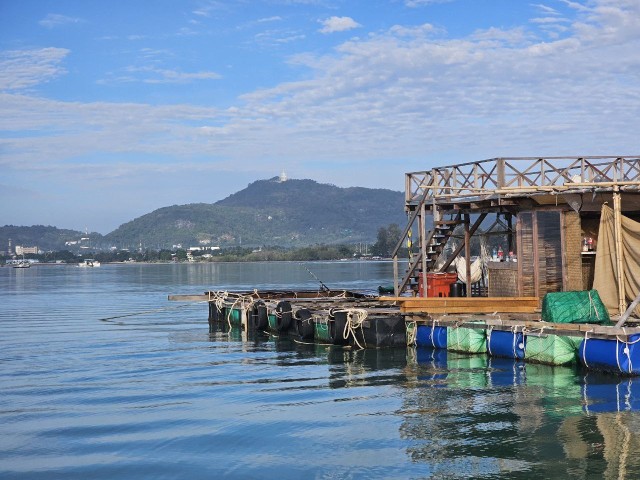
423 3
54 20
338 24
269 19
545 9
21 69
153 75
403 95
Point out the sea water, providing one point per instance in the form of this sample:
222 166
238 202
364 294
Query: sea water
102 377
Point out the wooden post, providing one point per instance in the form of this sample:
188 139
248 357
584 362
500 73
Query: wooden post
467 252
617 216
396 291
423 247
500 172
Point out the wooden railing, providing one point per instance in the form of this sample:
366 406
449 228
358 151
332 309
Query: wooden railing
522 174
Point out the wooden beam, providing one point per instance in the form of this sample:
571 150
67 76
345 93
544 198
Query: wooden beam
534 327
465 304
188 298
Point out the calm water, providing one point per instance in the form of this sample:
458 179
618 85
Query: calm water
157 395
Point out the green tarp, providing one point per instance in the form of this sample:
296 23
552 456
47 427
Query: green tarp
574 307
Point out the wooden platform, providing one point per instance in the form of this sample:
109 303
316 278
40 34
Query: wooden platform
465 304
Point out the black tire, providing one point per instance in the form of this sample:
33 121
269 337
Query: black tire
283 316
258 319
304 324
336 329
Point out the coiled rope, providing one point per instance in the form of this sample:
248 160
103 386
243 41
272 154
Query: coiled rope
355 319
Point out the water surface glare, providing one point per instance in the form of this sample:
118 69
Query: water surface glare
158 395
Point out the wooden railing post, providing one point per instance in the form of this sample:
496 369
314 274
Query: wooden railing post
500 172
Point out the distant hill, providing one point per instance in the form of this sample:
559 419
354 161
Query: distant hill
46 238
267 213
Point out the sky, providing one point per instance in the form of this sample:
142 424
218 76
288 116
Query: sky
112 109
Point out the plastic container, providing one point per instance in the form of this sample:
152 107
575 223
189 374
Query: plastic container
551 349
611 355
433 337
321 332
503 343
457 289
438 284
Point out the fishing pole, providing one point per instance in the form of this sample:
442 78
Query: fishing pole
324 287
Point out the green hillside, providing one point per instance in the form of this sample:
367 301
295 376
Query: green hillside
268 212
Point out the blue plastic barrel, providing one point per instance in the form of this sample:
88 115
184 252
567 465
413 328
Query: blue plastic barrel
434 337
503 343
611 355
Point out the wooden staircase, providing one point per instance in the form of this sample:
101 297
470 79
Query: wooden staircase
436 241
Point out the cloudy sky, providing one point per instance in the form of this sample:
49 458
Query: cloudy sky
110 109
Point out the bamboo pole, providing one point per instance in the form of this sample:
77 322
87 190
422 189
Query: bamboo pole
617 216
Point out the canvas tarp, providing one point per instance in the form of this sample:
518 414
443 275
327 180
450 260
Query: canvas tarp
605 275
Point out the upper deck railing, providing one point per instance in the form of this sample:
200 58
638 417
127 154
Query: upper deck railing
521 175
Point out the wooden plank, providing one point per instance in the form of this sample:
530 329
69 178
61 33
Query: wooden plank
188 298
465 304
467 309
573 329
460 300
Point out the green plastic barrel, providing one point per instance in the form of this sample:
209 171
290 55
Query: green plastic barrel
273 322
467 340
321 332
552 349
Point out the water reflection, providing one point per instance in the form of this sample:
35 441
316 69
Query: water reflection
467 415
479 416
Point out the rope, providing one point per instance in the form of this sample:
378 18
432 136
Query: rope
355 319
412 333
433 333
584 349
106 319
626 350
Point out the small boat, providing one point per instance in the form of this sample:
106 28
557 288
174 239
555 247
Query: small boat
89 262
22 264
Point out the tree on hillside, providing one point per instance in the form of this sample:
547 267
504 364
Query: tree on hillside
388 238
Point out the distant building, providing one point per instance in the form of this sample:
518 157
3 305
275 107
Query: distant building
283 177
20 250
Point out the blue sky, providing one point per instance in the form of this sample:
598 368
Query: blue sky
109 110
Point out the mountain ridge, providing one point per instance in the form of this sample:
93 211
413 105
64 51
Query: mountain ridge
291 213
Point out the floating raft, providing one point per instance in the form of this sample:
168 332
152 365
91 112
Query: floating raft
506 327
328 317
